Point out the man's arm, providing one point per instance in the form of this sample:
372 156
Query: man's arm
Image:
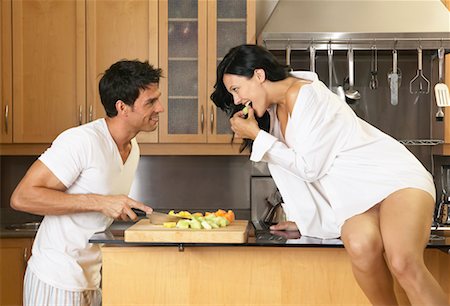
40 192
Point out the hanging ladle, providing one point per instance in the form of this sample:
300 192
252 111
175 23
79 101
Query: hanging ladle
351 93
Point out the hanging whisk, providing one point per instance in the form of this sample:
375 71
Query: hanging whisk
419 84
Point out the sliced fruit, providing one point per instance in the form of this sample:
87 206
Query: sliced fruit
169 224
195 224
230 216
206 225
183 224
245 110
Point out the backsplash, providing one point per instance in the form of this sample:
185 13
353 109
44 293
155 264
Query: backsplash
162 182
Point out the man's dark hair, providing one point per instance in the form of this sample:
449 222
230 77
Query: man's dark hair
123 81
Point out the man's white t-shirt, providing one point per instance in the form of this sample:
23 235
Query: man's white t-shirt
86 160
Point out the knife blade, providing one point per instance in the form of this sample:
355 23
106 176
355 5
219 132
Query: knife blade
157 217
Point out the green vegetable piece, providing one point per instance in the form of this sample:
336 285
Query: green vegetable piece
221 221
206 225
245 110
213 224
195 224
183 224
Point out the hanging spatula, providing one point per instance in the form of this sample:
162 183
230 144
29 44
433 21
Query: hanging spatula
393 79
440 89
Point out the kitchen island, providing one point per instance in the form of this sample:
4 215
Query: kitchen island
266 270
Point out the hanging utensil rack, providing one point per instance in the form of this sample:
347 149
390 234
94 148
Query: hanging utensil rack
359 41
421 142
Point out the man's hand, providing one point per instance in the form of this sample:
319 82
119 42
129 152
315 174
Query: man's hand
119 207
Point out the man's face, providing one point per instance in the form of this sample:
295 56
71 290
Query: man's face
144 114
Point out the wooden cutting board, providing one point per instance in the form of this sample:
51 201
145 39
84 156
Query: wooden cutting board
144 231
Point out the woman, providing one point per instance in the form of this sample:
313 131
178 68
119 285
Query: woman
338 175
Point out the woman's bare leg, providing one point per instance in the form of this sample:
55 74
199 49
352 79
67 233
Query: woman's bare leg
362 240
405 223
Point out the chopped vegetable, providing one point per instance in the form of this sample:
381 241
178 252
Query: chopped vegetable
169 224
220 218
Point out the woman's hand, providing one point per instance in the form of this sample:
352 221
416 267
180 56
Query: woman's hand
285 229
284 226
245 128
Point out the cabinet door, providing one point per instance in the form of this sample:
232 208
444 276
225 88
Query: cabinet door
183 58
48 43
230 23
5 70
116 30
13 261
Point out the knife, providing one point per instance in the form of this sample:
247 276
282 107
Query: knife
156 217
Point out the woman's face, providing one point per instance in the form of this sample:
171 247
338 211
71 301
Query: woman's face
244 90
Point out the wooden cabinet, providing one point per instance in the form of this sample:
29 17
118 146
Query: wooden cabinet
5 70
59 47
48 68
118 30
53 53
194 35
240 276
14 254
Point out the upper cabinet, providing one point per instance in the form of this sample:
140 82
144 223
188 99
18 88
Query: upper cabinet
118 30
5 70
193 38
53 53
43 68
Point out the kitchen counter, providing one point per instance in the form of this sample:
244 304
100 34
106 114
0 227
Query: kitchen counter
307 271
440 239
251 273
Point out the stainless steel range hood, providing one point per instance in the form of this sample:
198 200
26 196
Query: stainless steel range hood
405 24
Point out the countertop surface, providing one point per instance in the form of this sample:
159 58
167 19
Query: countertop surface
114 236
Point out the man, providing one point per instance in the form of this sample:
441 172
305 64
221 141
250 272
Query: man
80 185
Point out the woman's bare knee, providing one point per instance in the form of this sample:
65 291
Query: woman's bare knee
404 264
363 249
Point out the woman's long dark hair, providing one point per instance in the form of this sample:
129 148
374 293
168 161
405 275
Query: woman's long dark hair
243 60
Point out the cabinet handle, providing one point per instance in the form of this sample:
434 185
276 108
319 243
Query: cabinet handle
90 112
6 117
211 119
80 116
25 257
202 119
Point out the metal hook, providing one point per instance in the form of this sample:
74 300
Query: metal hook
288 57
312 57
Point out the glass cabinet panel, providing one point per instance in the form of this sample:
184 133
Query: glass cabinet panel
182 70
231 32
231 9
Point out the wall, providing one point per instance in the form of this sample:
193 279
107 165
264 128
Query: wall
162 182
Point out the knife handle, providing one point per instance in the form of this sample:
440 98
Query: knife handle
139 212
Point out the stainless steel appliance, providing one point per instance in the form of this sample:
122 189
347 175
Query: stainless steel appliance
266 200
443 208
